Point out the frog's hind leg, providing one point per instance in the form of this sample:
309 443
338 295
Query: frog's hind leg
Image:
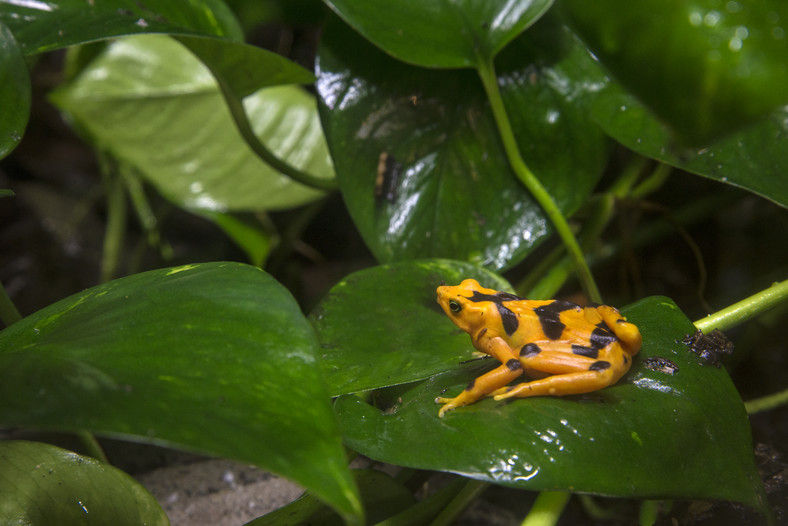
594 378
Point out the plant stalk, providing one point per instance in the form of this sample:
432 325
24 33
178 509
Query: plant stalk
423 511
766 403
92 446
469 492
235 104
547 508
116 225
745 309
486 70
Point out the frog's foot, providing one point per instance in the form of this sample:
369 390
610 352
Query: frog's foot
449 404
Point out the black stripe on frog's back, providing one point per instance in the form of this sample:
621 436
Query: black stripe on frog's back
508 318
601 337
550 317
498 297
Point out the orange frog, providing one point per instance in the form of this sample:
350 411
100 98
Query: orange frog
566 348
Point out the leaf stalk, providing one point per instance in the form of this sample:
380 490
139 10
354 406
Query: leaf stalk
486 70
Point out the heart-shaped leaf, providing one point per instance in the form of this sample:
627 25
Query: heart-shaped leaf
153 105
419 159
653 435
43 484
443 33
360 325
215 357
705 67
44 26
753 158
14 92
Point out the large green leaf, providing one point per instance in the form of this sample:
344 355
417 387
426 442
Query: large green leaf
43 484
153 105
705 67
754 157
14 92
456 195
444 33
653 435
43 26
360 325
213 357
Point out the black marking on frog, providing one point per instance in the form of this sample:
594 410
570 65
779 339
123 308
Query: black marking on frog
550 317
588 352
600 365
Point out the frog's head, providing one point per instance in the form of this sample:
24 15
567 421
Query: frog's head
461 304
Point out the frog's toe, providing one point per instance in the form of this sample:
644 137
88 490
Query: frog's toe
449 404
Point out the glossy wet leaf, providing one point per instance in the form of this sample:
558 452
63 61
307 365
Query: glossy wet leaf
214 357
653 435
43 484
441 33
43 26
154 106
453 193
14 92
705 67
754 158
383 326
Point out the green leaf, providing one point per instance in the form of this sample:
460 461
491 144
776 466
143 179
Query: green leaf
14 92
455 194
653 435
244 68
43 484
43 26
215 357
753 158
153 105
705 67
443 34
360 325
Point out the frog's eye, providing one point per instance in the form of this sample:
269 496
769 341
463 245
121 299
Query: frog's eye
455 306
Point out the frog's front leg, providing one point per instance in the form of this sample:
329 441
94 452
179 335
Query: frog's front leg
491 381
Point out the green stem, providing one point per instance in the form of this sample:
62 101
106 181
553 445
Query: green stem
690 214
116 225
623 184
449 514
9 314
547 508
649 512
766 403
145 215
92 446
486 71
422 511
235 104
553 274
653 182
745 309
